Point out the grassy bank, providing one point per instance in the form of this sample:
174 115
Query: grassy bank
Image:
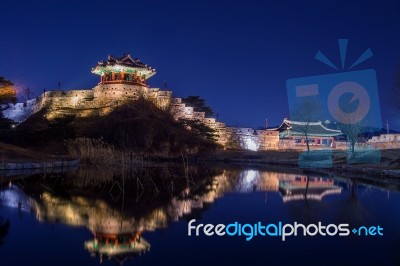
389 158
389 165
14 154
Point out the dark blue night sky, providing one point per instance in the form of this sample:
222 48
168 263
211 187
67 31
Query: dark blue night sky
236 54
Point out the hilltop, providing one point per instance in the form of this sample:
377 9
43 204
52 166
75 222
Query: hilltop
138 126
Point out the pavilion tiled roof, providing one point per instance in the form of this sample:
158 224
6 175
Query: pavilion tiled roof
126 60
126 64
297 128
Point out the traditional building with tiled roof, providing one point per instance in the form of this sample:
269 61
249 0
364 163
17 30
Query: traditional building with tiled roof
125 70
316 132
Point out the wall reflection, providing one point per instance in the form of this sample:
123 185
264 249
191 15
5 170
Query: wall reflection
117 223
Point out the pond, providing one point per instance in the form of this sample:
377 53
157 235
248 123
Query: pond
97 216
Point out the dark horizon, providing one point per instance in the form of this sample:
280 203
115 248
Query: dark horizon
237 56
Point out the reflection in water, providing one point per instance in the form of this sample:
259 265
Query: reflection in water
117 224
290 186
14 197
119 246
4 228
97 214
352 210
304 187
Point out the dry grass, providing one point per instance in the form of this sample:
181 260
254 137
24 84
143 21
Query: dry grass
97 152
14 154
92 151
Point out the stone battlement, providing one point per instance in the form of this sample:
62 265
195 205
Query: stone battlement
103 98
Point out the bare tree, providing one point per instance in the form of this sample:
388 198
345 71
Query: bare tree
27 93
307 111
351 123
352 132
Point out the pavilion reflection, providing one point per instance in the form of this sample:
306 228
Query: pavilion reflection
289 185
114 235
119 246
305 187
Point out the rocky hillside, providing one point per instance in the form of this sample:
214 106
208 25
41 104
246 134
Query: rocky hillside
137 126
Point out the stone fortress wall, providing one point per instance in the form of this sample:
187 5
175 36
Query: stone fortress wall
229 137
103 98
385 141
125 79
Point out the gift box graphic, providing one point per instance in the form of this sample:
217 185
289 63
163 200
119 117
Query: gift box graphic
346 98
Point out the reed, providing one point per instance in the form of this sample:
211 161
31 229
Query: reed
92 151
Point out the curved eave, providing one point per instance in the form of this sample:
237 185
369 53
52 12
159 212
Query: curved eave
302 134
147 72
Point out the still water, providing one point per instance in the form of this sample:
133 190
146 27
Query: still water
95 216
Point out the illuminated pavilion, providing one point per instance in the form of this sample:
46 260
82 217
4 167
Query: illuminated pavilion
124 70
317 133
